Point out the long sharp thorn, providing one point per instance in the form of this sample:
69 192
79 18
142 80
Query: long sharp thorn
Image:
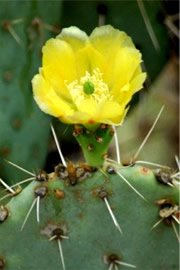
176 183
126 264
101 19
176 219
23 181
28 214
6 196
58 147
111 266
37 209
17 21
6 186
178 162
127 182
112 215
20 168
152 164
148 25
117 146
64 237
51 28
111 161
172 26
171 185
175 175
149 133
116 267
101 170
14 35
61 254
55 236
52 237
156 224
175 230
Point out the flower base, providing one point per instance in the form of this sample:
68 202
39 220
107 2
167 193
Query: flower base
94 143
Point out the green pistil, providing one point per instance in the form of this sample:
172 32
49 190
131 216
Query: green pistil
88 88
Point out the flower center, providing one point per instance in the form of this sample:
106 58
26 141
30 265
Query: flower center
90 86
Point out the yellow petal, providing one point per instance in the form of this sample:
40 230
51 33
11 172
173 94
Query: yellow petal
57 82
107 111
47 99
88 106
75 37
137 82
59 57
122 58
119 119
135 85
137 72
120 71
108 40
76 118
88 59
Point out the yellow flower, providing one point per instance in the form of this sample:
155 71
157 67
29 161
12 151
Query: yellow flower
88 79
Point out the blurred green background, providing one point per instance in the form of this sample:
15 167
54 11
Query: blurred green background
25 135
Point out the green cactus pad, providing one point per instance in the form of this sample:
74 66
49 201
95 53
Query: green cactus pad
24 129
79 212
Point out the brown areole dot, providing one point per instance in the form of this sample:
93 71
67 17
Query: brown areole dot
99 139
104 156
90 147
112 131
111 169
42 176
59 194
41 191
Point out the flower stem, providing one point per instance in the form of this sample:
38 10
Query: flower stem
95 143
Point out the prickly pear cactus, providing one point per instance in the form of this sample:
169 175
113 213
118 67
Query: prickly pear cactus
98 215
71 227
